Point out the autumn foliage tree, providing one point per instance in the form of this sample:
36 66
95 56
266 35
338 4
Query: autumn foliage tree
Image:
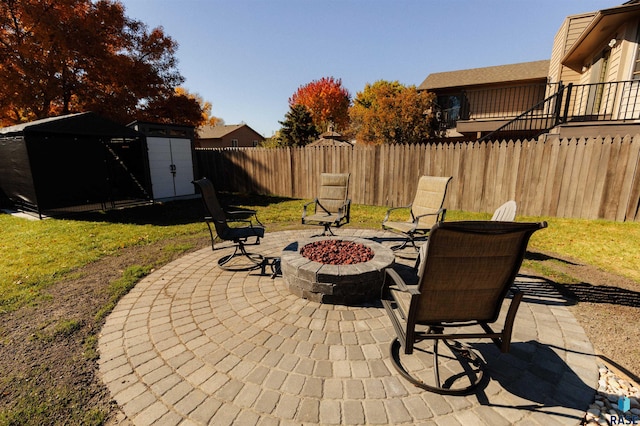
327 101
182 107
63 56
389 112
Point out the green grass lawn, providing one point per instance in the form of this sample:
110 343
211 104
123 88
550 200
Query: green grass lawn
33 254
36 254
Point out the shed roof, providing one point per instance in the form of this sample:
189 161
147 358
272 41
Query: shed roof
84 123
524 71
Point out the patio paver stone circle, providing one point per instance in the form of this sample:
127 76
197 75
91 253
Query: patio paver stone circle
193 344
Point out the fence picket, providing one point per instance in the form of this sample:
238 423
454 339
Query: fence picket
626 177
633 203
589 178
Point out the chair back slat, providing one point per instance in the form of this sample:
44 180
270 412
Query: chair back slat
468 268
334 189
212 205
429 198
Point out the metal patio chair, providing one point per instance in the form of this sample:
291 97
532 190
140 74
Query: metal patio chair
332 207
425 210
221 219
467 270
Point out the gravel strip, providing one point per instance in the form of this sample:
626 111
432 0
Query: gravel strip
605 409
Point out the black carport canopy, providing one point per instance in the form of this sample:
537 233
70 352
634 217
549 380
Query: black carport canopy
73 162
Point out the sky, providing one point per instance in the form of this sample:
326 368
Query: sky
248 57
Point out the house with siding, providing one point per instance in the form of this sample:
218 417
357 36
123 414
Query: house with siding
477 101
227 136
591 85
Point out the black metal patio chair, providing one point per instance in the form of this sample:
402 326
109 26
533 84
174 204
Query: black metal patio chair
221 219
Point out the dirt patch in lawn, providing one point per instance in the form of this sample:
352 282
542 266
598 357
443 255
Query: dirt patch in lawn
606 305
48 359
48 364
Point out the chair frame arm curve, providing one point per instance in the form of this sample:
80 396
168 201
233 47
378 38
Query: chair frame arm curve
250 213
399 283
440 213
386 217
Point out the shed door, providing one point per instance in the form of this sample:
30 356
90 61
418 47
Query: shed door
170 167
182 161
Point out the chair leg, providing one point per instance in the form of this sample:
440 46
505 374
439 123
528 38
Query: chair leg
327 230
256 260
436 364
471 364
410 240
211 235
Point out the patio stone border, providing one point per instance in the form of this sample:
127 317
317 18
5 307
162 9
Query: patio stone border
337 284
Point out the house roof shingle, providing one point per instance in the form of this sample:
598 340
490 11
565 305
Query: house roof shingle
498 74
215 132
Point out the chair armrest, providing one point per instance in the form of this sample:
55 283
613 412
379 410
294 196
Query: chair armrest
442 212
386 217
345 210
244 213
399 282
240 213
239 210
304 208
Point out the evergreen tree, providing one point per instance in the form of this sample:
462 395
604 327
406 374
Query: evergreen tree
297 128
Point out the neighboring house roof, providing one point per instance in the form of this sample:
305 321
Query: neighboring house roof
215 132
330 138
218 132
477 76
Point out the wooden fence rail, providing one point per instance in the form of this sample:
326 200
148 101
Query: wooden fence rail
581 178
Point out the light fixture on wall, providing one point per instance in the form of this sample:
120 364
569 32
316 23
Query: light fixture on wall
612 42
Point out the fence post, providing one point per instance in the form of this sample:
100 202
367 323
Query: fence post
558 105
566 104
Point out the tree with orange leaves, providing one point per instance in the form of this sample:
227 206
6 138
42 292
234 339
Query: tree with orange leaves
389 112
327 102
64 56
182 107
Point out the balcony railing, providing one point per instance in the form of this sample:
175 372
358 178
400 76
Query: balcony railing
500 103
615 101
543 116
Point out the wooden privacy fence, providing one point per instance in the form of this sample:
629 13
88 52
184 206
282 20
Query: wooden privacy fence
581 178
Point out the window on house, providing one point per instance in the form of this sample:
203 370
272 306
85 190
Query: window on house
635 74
449 109
234 143
255 143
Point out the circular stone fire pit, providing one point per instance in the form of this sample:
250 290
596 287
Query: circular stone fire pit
357 279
